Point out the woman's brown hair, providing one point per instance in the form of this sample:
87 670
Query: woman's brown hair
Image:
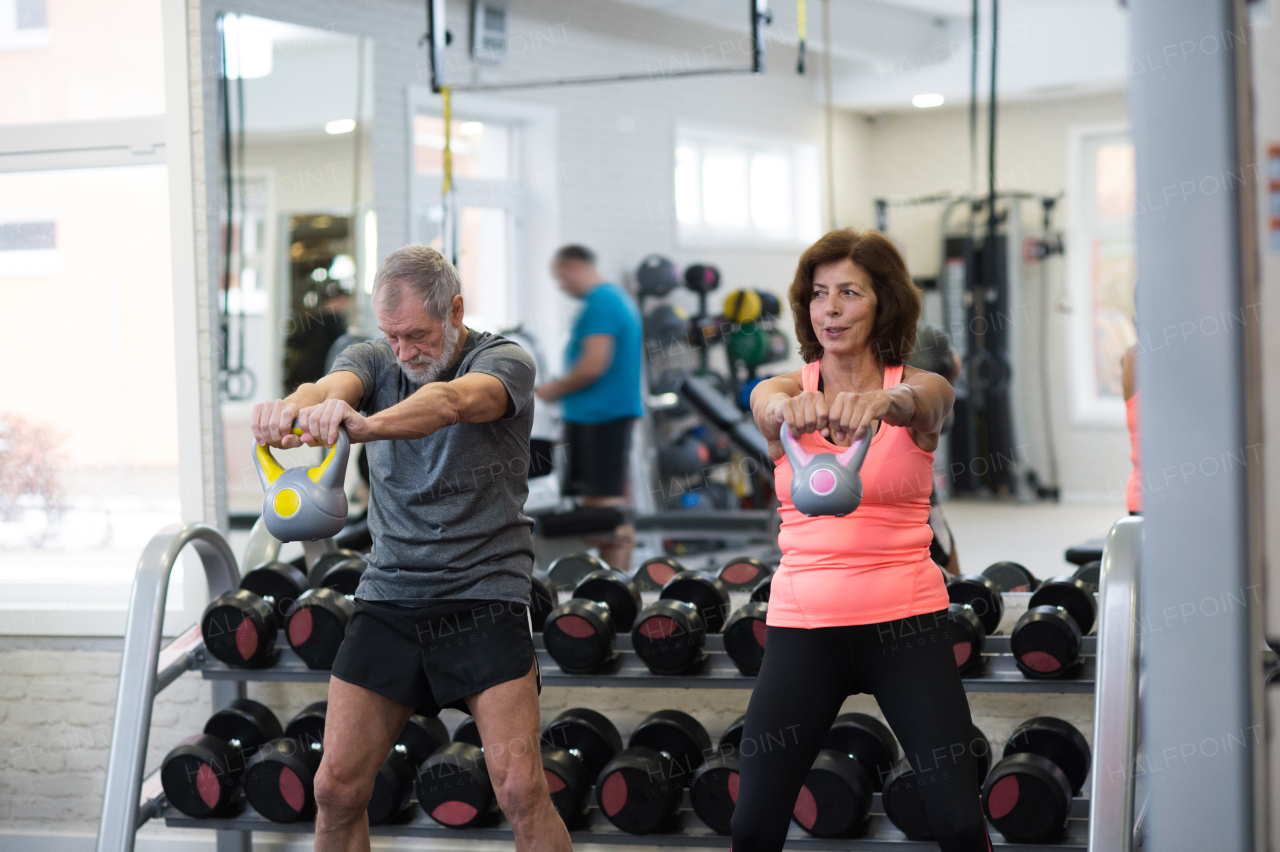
893 335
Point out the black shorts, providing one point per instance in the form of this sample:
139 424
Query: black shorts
433 657
597 455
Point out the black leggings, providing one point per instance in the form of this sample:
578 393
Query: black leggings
909 667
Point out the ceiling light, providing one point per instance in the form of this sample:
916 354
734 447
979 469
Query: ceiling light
923 101
341 125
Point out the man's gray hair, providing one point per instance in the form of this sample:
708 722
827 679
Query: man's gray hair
422 272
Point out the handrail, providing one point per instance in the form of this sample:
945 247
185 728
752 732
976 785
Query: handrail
138 676
1115 700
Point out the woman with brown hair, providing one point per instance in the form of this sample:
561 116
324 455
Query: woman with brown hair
857 605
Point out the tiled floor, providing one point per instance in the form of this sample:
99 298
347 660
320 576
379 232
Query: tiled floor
1034 535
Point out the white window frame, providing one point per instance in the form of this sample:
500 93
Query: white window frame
1088 408
802 155
147 140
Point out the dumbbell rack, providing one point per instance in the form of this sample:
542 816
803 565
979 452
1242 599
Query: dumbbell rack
1101 820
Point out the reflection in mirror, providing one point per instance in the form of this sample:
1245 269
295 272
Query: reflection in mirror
298 235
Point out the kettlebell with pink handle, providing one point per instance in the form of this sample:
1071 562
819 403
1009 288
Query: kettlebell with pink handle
825 483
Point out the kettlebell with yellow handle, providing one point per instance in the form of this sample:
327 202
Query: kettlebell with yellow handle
301 503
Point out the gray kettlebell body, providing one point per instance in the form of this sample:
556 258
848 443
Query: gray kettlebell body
300 503
825 483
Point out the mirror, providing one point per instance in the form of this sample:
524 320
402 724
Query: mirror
297 242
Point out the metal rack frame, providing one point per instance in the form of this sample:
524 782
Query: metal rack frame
1103 821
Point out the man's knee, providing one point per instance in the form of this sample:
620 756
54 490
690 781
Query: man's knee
519 789
341 797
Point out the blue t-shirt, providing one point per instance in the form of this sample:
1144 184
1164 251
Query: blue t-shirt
608 310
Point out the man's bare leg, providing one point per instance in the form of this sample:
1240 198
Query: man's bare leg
616 550
360 728
507 717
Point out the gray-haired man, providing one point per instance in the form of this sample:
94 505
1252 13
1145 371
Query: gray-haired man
441 613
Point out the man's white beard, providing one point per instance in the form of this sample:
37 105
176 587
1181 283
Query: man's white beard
423 368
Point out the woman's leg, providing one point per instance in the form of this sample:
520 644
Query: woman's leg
802 683
911 670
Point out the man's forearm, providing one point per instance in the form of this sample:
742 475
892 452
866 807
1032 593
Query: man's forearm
425 412
307 395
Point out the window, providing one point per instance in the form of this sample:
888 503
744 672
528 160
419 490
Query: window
86 280
1101 271
732 189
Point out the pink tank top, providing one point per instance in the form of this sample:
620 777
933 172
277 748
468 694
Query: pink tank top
872 565
1133 488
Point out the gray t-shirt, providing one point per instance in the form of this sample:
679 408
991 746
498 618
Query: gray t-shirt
446 512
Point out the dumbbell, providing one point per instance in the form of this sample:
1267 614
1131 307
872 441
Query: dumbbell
968 637
1011 577
1027 796
340 571
542 599
654 573
710 595
761 591
903 804
983 595
393 785
317 624
454 787
576 746
641 788
714 789
836 796
1090 573
669 637
867 740
744 637
1046 639
568 571
581 633
743 573
239 627
204 775
279 780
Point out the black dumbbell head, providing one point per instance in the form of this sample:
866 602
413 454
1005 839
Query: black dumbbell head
635 793
836 796
568 571
708 594
317 625
761 591
744 637
616 591
866 739
391 800
1055 739
542 599
201 777
678 737
1046 643
980 747
1090 573
1073 595
308 726
982 594
421 736
669 637
743 573
280 780
239 628
245 724
568 781
454 788
714 791
343 576
580 635
468 732
654 573
588 734
1027 798
279 582
967 636
731 739
1011 577
903 804
326 561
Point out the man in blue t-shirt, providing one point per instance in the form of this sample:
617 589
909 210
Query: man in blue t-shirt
601 392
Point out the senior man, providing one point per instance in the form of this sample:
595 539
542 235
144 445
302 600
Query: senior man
445 413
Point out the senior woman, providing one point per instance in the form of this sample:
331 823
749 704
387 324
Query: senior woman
857 605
